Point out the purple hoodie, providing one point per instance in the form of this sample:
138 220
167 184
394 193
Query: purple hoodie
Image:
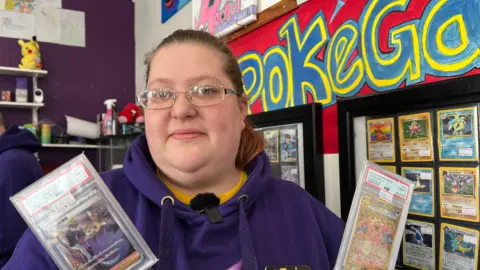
270 222
18 169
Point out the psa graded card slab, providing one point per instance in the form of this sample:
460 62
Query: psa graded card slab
381 140
79 222
422 198
415 137
458 247
376 220
271 144
459 193
457 134
419 245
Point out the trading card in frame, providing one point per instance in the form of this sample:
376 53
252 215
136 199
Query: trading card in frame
419 245
290 173
459 193
288 144
457 134
415 137
458 247
271 144
422 199
381 139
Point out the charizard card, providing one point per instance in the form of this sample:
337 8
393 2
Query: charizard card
457 134
422 198
373 234
458 247
381 140
415 137
459 193
419 244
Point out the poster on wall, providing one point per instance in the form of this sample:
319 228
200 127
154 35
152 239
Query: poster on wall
222 17
170 7
16 25
60 26
28 6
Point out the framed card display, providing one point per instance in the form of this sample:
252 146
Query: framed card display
419 244
284 148
381 140
293 144
459 193
458 247
415 137
436 146
457 134
423 193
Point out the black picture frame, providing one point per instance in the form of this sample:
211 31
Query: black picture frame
453 92
310 116
459 92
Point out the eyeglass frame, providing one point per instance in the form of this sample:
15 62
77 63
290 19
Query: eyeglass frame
225 92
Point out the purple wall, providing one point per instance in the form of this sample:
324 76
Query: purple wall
80 79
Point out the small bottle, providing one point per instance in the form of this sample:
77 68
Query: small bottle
108 120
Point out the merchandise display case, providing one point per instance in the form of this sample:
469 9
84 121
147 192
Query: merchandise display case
293 143
429 134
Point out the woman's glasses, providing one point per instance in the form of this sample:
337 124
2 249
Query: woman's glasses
199 95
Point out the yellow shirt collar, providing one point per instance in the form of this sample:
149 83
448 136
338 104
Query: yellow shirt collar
184 198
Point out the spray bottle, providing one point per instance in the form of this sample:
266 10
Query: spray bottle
108 120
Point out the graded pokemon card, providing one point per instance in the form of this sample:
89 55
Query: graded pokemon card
381 140
415 137
79 222
373 232
459 193
457 134
458 247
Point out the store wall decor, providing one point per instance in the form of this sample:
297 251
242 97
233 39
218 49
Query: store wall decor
222 17
326 50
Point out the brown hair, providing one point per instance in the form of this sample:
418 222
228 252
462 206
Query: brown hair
2 123
251 144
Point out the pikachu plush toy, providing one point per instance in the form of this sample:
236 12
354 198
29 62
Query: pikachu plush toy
31 54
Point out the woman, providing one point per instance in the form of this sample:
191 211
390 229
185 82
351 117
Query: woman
197 141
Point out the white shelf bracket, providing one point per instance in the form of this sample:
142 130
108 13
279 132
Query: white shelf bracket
35 81
35 116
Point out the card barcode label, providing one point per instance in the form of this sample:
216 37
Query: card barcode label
426 175
468 211
386 196
424 153
426 230
465 152
469 239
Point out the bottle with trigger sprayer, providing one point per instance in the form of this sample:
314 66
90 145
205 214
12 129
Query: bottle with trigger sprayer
108 120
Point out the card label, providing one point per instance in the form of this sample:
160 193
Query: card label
387 184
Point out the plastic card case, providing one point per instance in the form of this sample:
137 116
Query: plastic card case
376 221
79 222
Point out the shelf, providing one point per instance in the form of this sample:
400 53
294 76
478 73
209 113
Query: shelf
12 71
83 146
23 105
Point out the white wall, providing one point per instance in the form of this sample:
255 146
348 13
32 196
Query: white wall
149 31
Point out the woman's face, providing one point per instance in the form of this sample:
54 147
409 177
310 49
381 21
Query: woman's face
186 139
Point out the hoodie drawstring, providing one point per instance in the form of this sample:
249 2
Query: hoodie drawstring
167 221
246 245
